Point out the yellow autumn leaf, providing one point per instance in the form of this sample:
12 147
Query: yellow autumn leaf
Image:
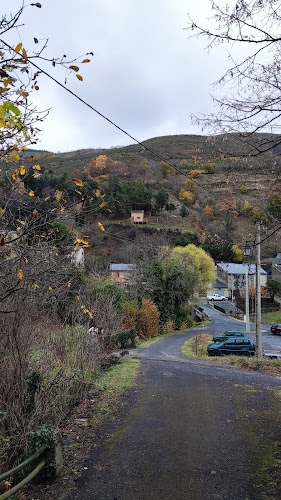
77 297
22 170
79 77
97 192
78 182
36 167
58 195
75 68
48 197
69 284
20 274
24 54
85 243
86 60
35 286
36 175
15 174
25 94
30 193
50 288
101 226
18 47
78 192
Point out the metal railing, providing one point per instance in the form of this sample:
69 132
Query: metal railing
28 478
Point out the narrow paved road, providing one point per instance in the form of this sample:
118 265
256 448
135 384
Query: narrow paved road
220 323
195 430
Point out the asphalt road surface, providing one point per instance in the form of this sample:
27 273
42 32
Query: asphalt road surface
220 323
194 430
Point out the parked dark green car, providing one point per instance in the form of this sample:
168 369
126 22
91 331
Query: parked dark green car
226 335
233 345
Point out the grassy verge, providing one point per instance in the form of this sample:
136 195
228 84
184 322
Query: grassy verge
196 347
146 343
271 317
113 384
102 405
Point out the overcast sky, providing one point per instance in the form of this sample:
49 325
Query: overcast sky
146 75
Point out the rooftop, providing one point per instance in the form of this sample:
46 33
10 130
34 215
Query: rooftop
232 268
121 267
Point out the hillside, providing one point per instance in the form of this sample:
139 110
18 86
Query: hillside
226 195
173 149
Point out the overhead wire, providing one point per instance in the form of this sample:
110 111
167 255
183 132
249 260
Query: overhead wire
154 153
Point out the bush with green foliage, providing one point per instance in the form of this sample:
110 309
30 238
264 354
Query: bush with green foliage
125 339
273 205
209 168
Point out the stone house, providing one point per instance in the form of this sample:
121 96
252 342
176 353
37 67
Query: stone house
122 273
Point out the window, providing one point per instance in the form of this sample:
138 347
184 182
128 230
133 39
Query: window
230 342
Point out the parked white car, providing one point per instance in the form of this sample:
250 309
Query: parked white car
216 296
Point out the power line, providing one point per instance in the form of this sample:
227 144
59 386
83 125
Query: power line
125 132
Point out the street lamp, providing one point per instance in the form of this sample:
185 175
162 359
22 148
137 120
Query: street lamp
247 251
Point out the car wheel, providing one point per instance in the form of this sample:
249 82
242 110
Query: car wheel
217 352
246 353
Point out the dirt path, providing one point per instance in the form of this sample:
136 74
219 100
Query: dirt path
196 431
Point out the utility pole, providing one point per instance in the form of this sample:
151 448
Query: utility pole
258 294
247 251
247 299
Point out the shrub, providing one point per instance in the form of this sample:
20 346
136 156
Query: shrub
209 211
243 189
130 310
195 173
168 327
209 168
125 339
191 186
188 323
186 196
148 319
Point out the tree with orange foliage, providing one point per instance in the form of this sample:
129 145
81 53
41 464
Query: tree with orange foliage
148 319
144 318
101 162
186 196
209 211
195 173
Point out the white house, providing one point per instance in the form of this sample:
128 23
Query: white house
77 257
233 275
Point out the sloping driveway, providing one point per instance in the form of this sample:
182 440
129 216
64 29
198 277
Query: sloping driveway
194 430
